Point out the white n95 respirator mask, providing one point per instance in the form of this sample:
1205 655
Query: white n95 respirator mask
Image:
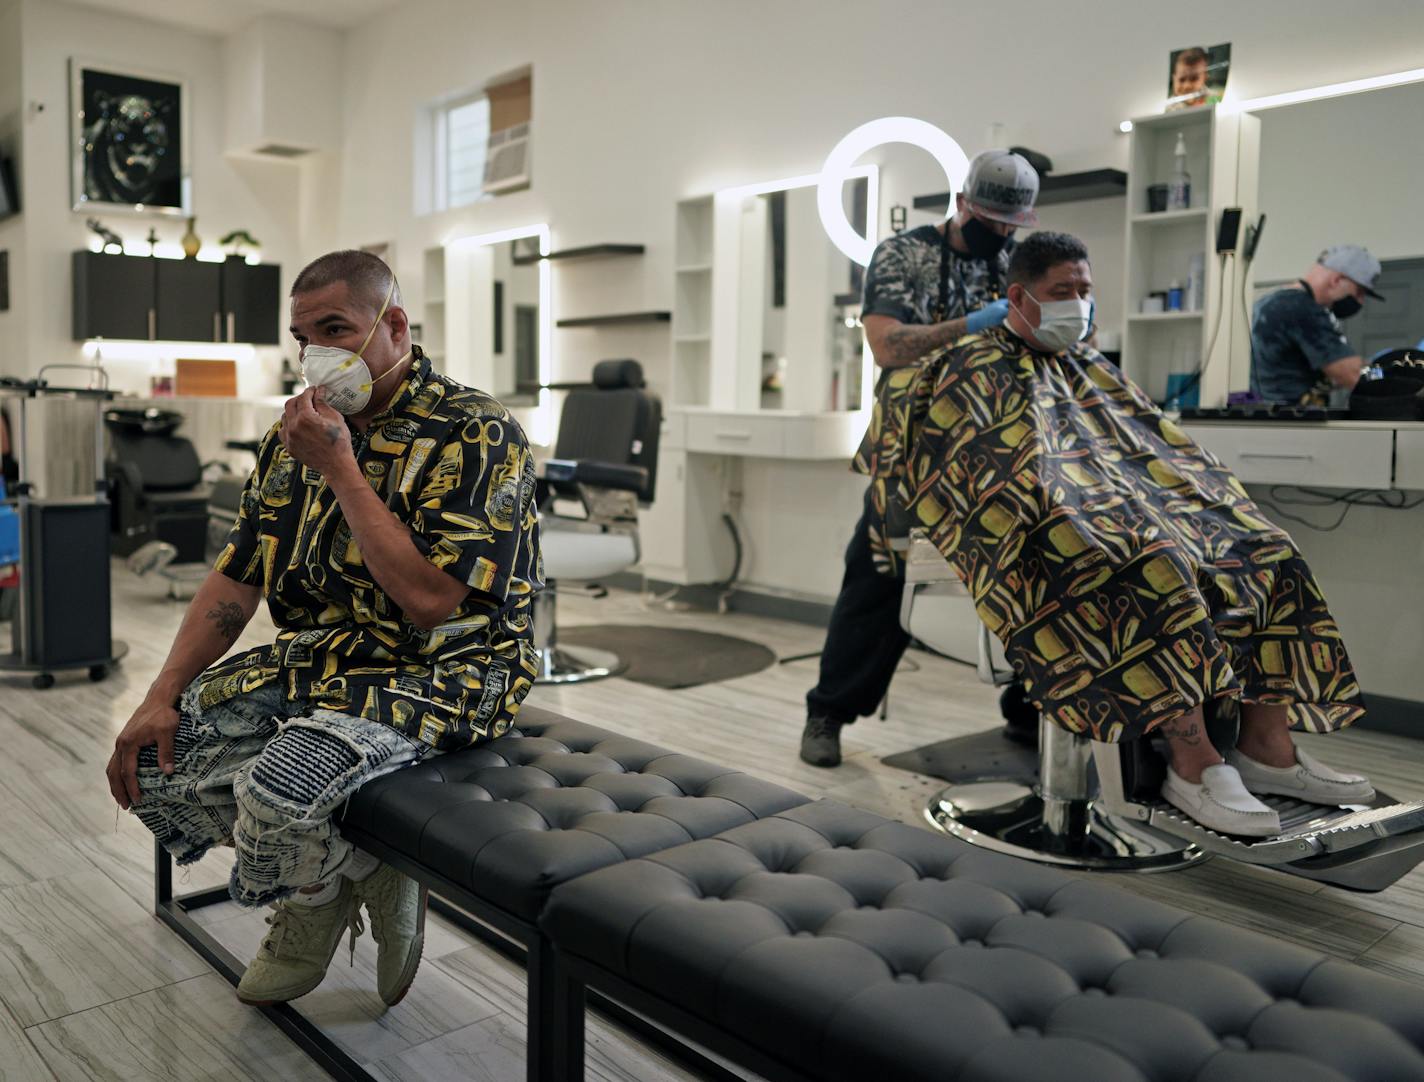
1062 324
345 377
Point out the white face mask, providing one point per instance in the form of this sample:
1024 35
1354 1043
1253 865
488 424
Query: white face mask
345 377
1061 324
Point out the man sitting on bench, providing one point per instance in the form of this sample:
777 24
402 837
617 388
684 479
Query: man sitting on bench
1129 575
390 525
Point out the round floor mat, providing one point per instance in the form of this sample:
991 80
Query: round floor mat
671 657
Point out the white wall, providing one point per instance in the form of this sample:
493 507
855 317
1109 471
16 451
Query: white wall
228 192
12 232
1342 171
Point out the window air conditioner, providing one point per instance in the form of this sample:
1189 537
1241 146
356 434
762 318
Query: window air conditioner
507 160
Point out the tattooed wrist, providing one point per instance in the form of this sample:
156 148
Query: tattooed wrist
228 617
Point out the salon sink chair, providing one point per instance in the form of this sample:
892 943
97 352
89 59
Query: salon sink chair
157 485
1088 804
604 467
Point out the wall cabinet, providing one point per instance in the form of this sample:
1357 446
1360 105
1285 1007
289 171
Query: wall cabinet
135 297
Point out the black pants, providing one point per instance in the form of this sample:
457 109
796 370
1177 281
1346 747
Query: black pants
865 641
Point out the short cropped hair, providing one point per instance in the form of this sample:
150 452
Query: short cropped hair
366 275
1195 55
1040 252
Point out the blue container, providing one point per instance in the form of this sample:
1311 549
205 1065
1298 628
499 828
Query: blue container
1175 382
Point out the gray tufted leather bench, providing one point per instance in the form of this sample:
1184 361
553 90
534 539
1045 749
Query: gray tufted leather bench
495 827
830 943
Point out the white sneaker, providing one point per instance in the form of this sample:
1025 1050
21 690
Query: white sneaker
1221 802
1309 779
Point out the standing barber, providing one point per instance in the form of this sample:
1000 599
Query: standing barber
1298 351
924 289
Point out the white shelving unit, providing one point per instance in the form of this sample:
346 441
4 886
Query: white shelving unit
1221 159
433 329
691 382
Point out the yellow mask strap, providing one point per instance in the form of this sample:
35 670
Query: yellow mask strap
393 368
372 332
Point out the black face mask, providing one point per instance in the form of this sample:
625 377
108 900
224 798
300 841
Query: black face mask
1345 307
982 242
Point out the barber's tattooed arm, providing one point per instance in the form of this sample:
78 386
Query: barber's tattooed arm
230 620
896 345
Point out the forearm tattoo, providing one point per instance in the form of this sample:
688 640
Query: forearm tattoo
334 433
906 345
229 619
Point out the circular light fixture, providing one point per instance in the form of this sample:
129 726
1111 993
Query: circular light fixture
1125 127
890 129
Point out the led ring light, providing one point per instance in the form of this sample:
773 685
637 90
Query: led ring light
836 170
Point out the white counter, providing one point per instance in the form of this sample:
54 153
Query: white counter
1323 454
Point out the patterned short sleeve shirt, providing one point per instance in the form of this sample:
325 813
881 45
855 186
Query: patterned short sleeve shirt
903 282
1292 338
453 466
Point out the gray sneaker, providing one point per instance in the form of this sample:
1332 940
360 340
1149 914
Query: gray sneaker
298 948
821 741
396 905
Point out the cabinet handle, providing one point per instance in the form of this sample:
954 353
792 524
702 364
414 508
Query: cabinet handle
152 325
726 434
231 334
1286 457
217 326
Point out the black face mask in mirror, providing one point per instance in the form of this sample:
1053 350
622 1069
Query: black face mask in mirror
982 242
1346 307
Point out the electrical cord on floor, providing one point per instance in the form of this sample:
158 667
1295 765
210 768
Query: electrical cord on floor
1347 500
725 587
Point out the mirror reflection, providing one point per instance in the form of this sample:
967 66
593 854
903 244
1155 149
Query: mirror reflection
514 319
1360 192
801 301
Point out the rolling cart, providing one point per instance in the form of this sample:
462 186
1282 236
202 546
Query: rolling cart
63 621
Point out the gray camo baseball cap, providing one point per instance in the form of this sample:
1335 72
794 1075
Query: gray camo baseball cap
1355 263
1002 186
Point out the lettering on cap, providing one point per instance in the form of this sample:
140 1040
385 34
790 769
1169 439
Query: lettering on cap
1003 194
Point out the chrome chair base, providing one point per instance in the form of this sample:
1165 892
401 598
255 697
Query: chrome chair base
1010 817
575 664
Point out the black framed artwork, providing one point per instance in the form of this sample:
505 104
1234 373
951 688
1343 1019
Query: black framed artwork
128 145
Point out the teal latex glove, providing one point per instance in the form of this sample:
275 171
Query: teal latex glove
991 315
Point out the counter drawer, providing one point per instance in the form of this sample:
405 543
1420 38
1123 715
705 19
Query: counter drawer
736 434
1271 454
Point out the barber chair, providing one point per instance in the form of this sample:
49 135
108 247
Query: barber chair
1089 804
157 479
604 467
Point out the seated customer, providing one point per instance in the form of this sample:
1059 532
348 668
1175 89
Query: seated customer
1128 574
397 548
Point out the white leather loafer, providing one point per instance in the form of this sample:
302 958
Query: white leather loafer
1309 779
1221 803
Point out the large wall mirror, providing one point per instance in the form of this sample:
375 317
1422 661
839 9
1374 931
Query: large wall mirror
1347 170
499 325
799 344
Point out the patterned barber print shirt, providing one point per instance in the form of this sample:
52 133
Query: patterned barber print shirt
453 466
903 282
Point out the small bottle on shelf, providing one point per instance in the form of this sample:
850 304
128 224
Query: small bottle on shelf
1179 188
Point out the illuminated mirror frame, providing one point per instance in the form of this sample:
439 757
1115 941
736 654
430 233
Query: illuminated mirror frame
473 322
871 173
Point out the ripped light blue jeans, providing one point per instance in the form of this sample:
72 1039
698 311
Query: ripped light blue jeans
265 775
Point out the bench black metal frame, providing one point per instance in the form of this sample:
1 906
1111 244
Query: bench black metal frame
556 1000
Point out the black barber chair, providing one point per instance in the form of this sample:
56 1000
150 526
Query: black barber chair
157 482
1087 804
604 466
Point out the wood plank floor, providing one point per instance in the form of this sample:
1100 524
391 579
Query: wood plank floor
93 987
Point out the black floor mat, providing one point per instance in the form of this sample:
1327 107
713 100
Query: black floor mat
670 657
970 758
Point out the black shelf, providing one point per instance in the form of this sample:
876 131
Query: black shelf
609 321
590 251
1063 188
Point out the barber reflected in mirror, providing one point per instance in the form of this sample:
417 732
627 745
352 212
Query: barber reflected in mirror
1299 353
925 289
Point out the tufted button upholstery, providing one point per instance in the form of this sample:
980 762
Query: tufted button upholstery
512 818
1097 984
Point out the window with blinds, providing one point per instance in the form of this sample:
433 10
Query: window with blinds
466 132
